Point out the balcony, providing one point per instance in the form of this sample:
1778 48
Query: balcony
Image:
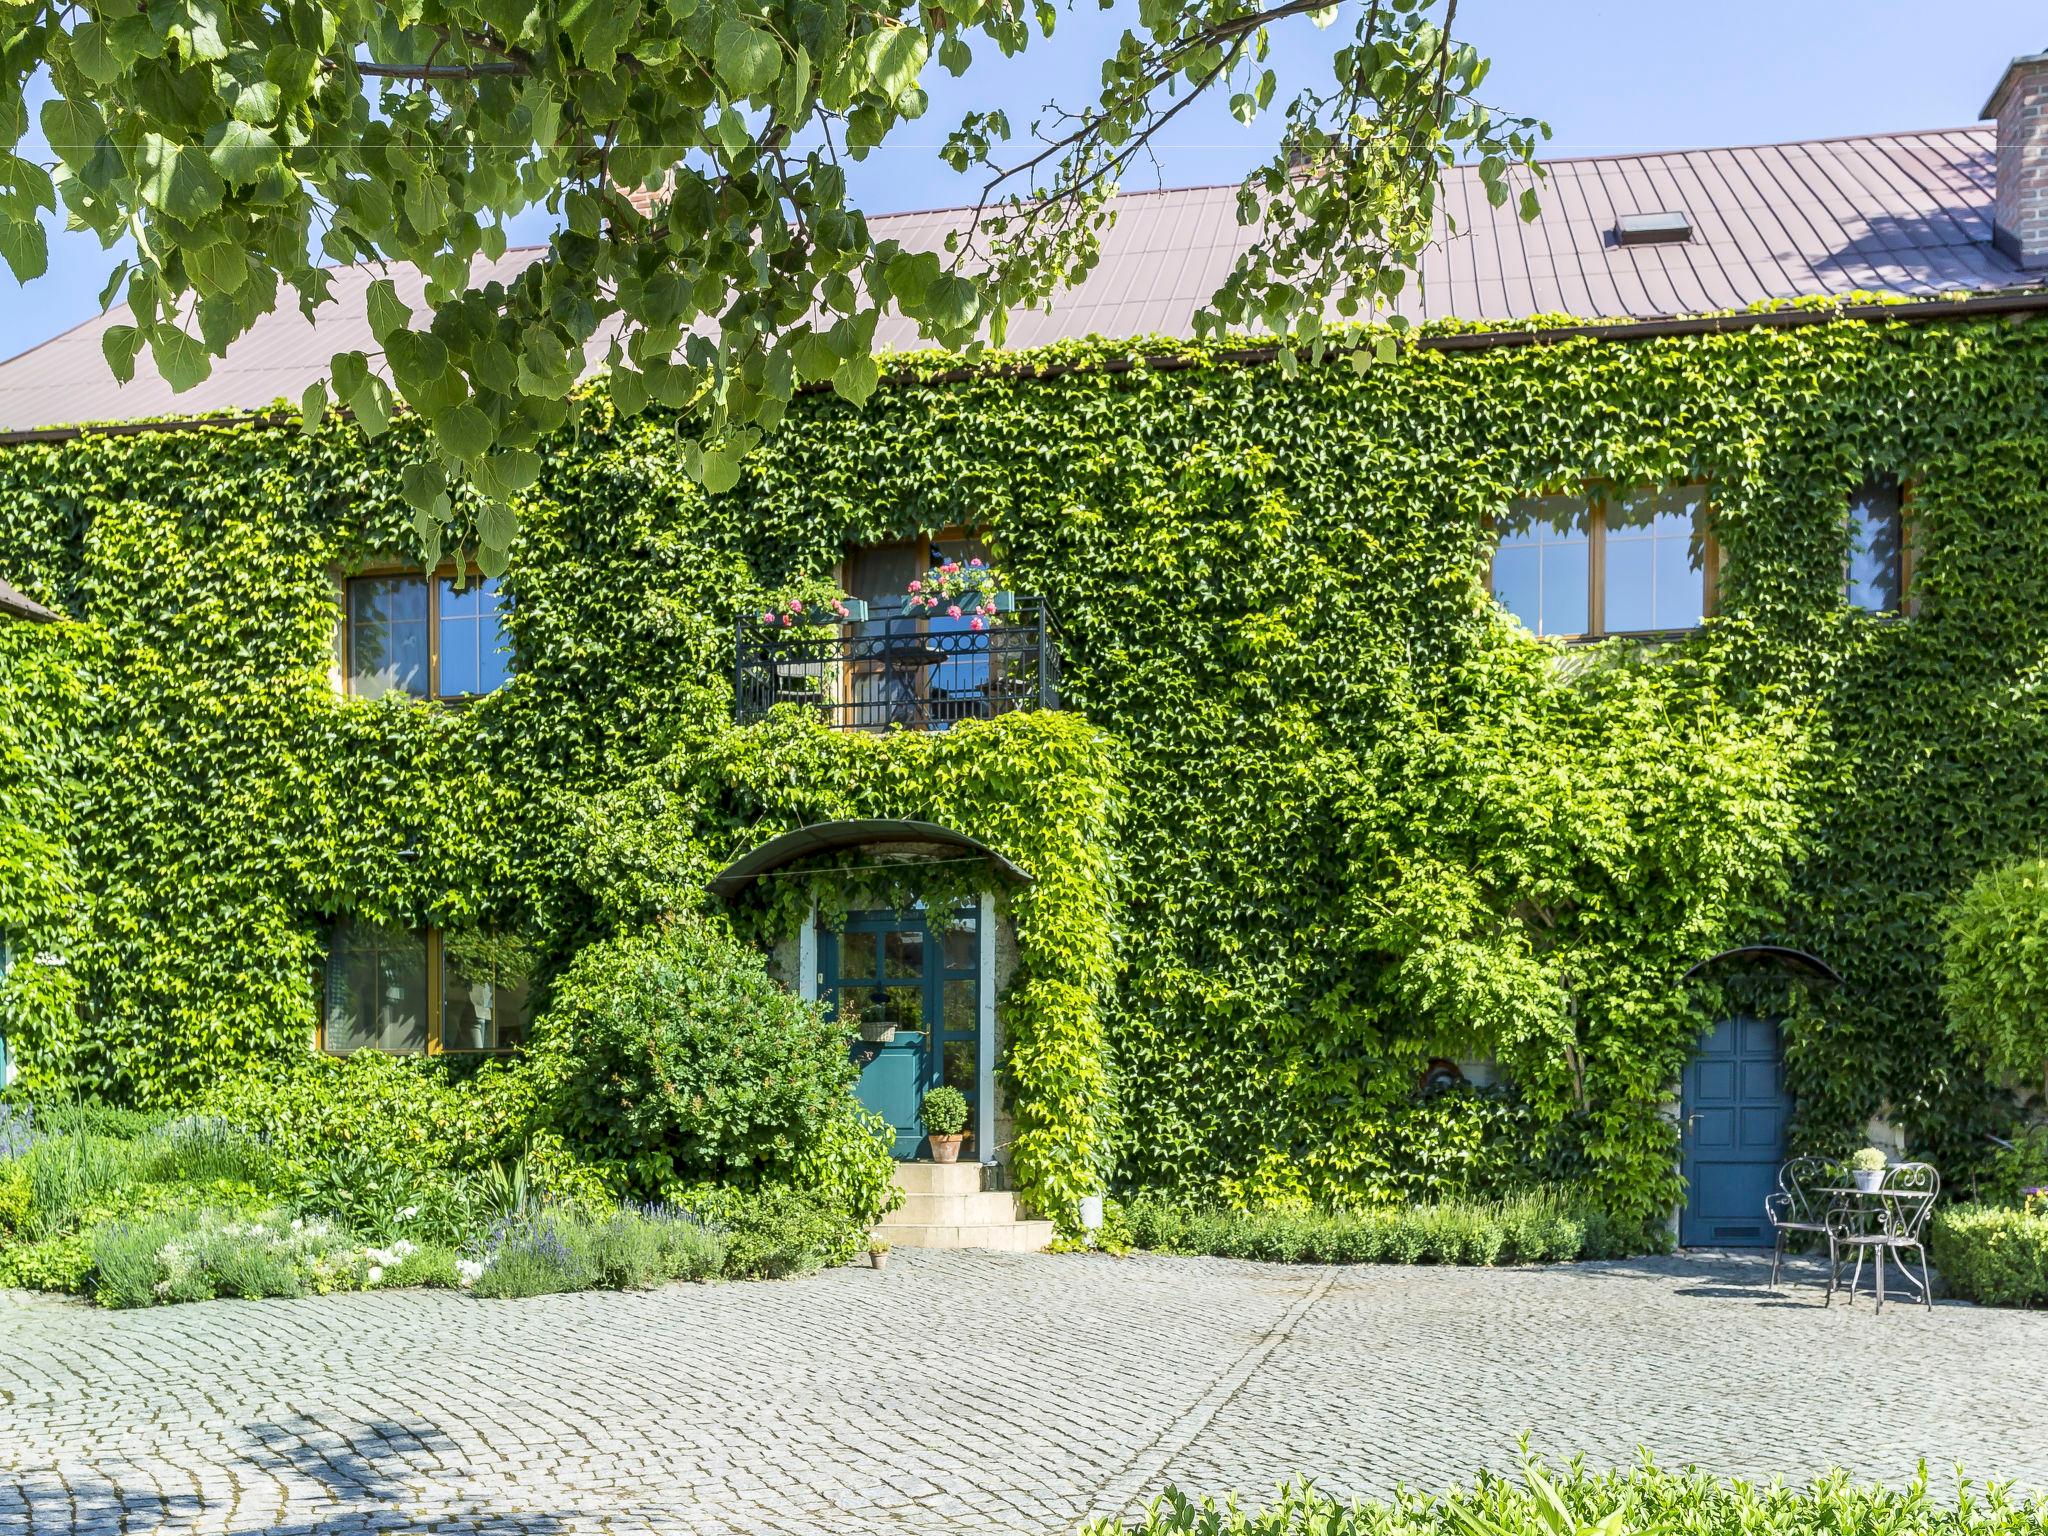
899 669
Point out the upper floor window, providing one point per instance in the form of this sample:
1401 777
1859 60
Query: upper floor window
1874 578
415 993
408 634
1606 562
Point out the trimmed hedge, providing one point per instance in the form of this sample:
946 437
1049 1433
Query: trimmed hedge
1536 1227
1990 1254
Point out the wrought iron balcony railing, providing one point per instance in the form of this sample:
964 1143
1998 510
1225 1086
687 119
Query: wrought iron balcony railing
922 673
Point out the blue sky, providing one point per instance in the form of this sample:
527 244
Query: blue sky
1608 77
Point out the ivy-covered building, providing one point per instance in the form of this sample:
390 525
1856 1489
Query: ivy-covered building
1355 762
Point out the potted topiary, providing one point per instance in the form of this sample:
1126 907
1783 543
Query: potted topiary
944 1117
878 1253
1868 1166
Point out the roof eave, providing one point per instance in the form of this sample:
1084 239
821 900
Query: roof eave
21 607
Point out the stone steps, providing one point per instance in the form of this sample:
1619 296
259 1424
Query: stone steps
1002 1237
945 1206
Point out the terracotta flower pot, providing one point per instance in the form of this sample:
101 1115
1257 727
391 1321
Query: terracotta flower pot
877 1260
946 1149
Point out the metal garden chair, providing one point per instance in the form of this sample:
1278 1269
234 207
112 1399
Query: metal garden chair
1889 1223
1801 1204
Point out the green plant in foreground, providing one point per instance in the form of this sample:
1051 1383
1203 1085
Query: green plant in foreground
1644 1501
943 1112
1870 1160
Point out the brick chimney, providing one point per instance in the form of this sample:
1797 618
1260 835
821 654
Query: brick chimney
2019 216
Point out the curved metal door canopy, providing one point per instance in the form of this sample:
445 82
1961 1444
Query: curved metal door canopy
1796 960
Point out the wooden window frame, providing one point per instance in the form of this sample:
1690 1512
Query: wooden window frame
1597 499
435 1000
443 572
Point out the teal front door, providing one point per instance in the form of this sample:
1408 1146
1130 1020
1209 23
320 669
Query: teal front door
1733 1136
915 996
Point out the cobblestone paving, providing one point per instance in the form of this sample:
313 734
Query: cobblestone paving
964 1393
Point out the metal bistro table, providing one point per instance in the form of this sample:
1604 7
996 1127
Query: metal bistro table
1888 1220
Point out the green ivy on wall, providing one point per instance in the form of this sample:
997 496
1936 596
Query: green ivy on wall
1318 813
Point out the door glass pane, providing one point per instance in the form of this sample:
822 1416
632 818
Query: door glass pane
1541 568
959 682
902 1007
1655 560
387 636
376 990
483 992
962 944
881 575
857 956
902 954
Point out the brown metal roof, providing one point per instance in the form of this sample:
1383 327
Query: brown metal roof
1898 213
15 605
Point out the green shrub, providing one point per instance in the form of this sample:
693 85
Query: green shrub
430 1265
680 1055
851 1167
776 1232
2015 1169
61 1263
1578 1502
1537 1227
197 1149
1995 969
420 1114
1995 1256
59 1118
641 1246
376 1198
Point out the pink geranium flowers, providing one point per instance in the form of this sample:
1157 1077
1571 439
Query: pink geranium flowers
960 590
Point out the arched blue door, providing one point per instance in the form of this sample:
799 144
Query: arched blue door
1733 1134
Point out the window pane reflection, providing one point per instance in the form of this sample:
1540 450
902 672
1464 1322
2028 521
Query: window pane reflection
476 653
376 990
1876 548
857 956
483 992
1655 561
962 945
903 955
1541 569
387 636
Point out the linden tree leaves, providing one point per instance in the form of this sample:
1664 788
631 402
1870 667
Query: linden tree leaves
26 248
704 242
178 179
746 57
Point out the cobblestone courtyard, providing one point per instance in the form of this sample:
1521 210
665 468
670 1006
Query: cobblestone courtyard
963 1393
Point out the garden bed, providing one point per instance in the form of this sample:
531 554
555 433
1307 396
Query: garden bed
132 1210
